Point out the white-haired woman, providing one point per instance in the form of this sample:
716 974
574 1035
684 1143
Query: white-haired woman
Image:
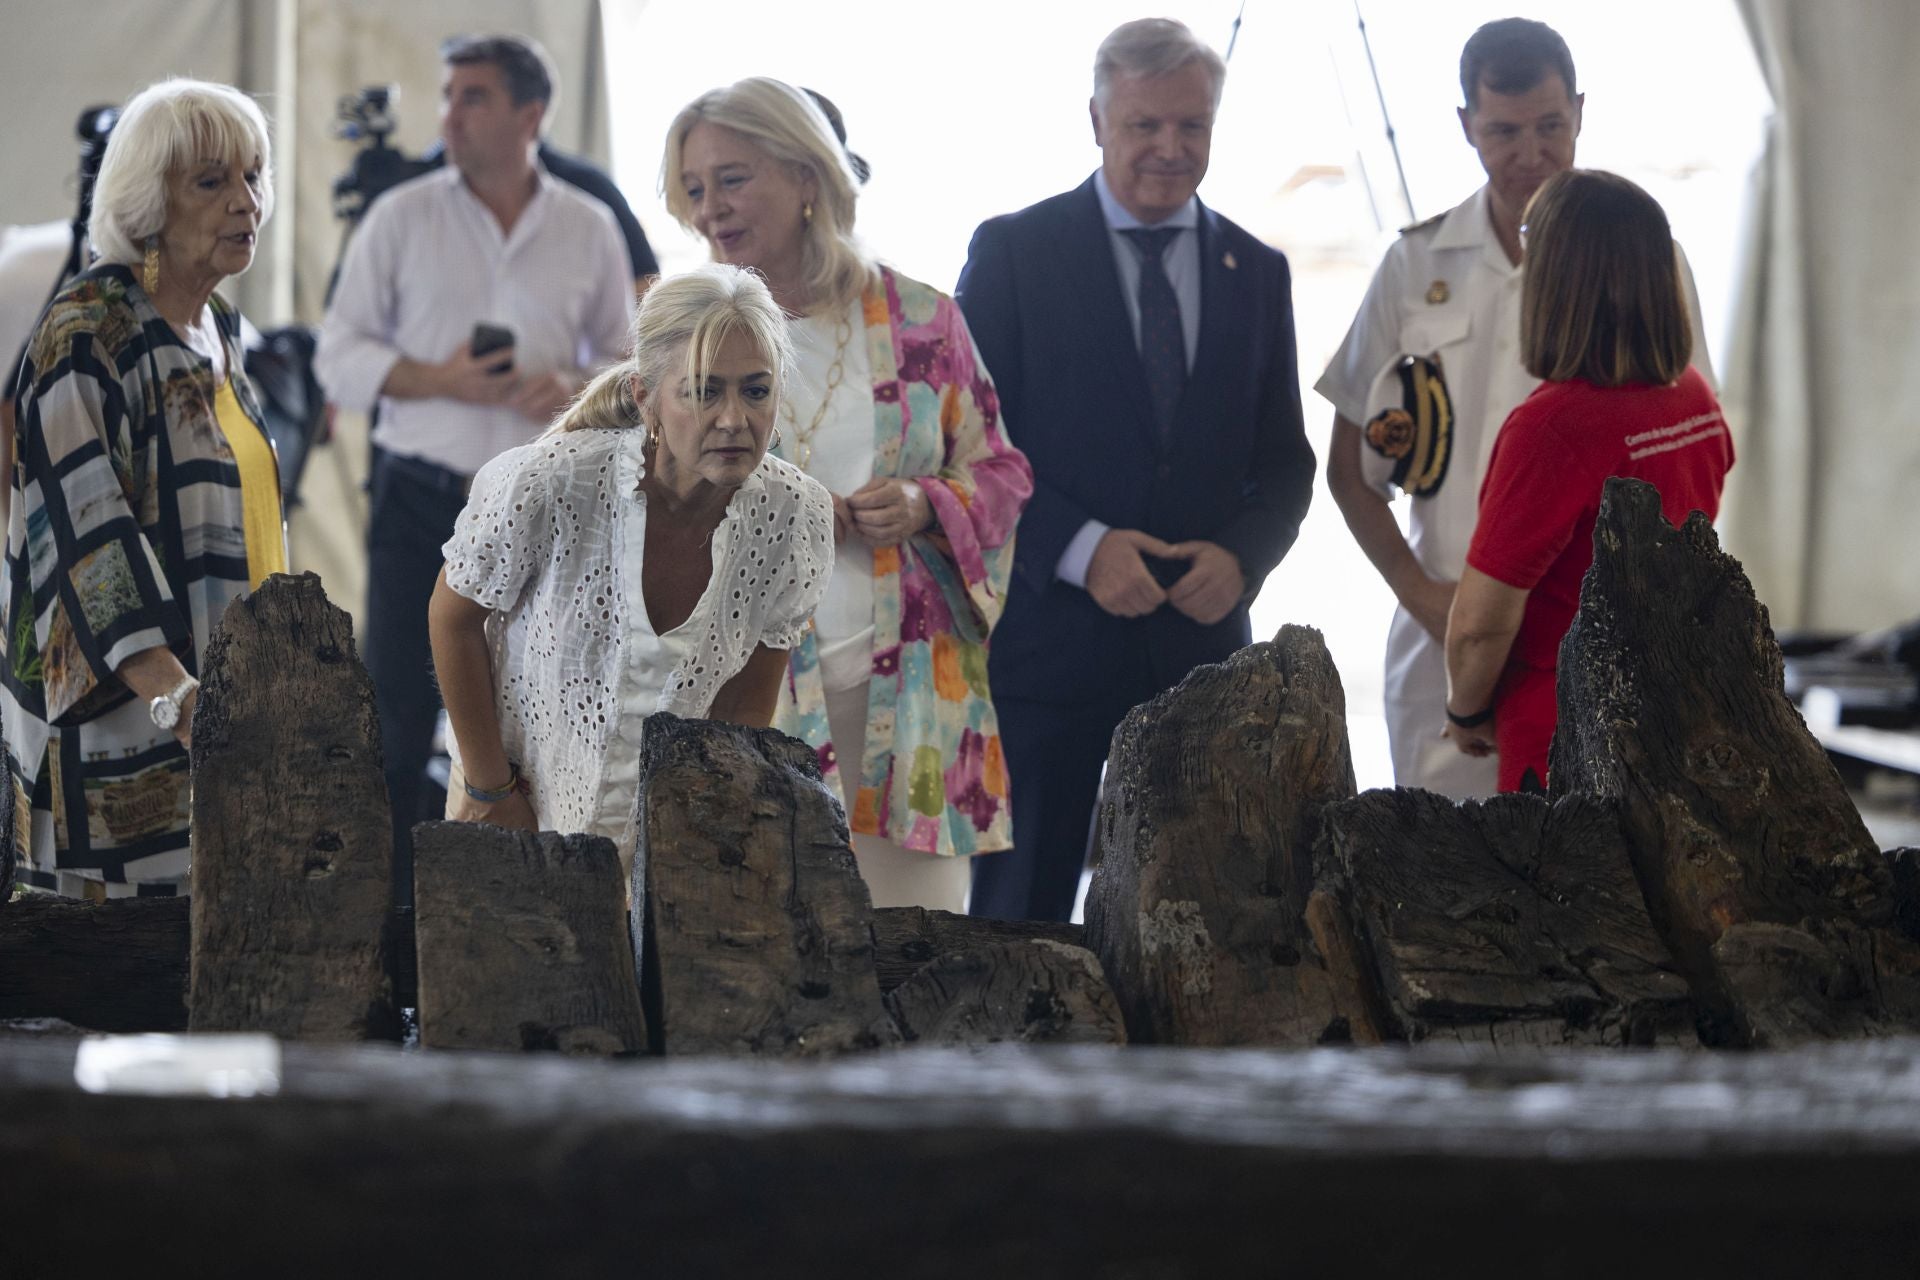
645 554
145 497
893 412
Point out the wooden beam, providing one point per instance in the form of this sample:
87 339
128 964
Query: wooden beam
1214 797
1013 1160
292 845
758 928
109 966
1035 991
1508 922
1757 868
522 942
905 939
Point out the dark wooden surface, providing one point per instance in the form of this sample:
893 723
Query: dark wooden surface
759 928
109 966
522 942
292 847
1511 921
1034 991
1212 806
1008 1161
1758 872
907 938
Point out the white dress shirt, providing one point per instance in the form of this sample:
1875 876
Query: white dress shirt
1181 260
429 263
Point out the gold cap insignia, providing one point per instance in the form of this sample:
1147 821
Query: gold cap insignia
1230 262
1415 432
1437 293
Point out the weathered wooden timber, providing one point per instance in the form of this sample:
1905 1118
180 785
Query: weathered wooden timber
291 840
1013 1160
1508 922
1035 991
1757 869
758 930
522 942
1213 803
46 1026
905 939
110 966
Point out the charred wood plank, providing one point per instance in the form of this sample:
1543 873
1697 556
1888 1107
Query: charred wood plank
1213 804
292 847
119 965
905 939
1757 868
1036 992
1509 922
522 942
757 924
1798 1163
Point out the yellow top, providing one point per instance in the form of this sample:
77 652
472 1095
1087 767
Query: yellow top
259 487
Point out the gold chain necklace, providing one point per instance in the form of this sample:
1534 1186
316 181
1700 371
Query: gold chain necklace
803 439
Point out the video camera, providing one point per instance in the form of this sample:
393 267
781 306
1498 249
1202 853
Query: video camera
367 116
96 123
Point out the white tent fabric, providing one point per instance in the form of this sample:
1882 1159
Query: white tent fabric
1825 369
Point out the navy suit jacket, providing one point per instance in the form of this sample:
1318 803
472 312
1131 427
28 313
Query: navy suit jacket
1041 294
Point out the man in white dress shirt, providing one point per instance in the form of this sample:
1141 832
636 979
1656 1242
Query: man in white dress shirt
491 239
1448 292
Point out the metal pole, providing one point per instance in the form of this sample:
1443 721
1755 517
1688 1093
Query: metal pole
1393 140
1234 37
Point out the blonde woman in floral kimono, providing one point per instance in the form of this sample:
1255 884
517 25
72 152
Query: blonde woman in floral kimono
891 410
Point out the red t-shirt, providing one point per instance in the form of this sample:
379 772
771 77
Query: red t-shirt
1539 503
1550 462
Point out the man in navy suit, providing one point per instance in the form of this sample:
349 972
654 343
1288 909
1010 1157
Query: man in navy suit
1143 350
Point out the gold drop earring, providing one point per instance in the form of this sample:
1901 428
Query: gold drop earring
150 267
806 214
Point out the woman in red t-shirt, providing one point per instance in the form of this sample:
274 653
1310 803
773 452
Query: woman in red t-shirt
1604 324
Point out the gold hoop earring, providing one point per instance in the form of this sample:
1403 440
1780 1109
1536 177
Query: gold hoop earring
775 442
806 214
150 266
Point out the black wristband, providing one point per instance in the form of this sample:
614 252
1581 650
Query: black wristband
1473 721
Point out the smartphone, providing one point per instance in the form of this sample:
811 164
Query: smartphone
489 338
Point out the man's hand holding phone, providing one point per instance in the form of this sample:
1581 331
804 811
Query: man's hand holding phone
481 371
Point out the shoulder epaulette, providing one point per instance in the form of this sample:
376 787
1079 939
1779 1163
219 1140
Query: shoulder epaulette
1424 223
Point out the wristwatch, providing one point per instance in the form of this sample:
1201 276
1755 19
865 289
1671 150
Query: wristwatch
165 709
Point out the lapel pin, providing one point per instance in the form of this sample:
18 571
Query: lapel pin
1437 293
1230 262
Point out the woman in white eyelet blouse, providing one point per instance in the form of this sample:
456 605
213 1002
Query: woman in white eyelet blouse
603 572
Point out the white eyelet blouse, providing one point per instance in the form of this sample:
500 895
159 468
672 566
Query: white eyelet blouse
552 540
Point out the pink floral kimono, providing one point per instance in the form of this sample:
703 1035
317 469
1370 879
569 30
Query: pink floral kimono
934 778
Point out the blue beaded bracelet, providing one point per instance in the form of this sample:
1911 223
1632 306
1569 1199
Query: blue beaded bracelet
497 794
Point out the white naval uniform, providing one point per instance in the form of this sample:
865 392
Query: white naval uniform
1445 289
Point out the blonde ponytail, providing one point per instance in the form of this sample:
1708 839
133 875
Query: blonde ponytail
607 401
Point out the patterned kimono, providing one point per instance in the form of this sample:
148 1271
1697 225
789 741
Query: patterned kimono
126 532
934 778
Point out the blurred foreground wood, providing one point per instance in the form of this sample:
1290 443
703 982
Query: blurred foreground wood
1009 1161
